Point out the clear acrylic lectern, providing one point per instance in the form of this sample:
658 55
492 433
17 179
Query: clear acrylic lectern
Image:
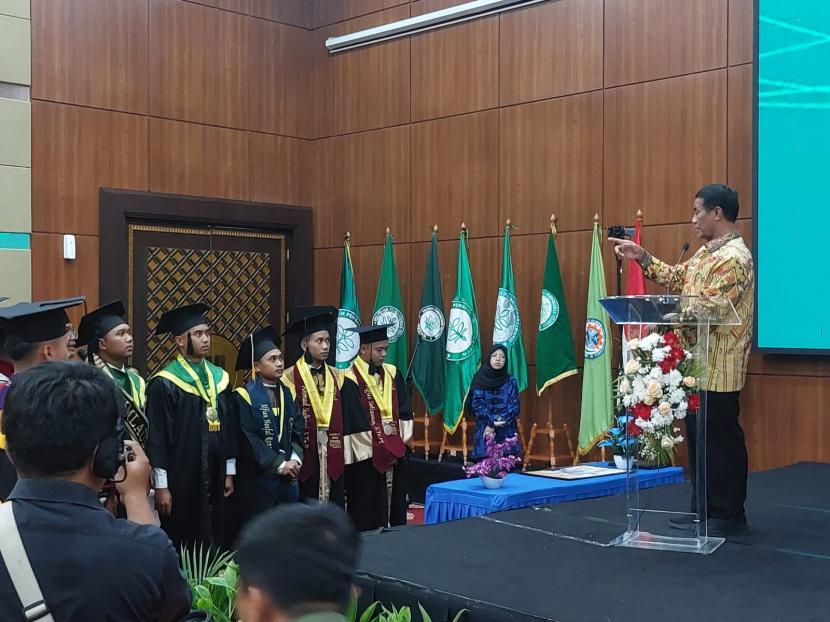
693 318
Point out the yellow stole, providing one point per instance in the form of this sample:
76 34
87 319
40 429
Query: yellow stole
321 407
381 396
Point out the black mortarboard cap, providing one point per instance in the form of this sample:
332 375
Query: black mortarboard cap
36 322
308 319
98 323
372 334
181 319
257 345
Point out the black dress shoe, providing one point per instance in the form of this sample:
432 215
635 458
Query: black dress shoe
727 527
685 522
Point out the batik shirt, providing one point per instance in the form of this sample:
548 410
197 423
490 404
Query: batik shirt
721 268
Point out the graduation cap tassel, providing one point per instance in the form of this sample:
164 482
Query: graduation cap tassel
253 367
190 349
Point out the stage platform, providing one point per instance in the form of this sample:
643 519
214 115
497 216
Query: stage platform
554 563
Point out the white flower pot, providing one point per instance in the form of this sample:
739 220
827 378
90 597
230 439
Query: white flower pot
623 463
491 482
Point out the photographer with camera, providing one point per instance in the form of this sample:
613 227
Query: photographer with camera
64 556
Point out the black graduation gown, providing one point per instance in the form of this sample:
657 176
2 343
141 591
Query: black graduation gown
257 482
194 458
367 500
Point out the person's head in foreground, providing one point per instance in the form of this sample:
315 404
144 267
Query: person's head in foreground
296 560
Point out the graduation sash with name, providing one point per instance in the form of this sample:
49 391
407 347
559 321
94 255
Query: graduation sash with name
271 417
381 407
136 420
326 410
181 374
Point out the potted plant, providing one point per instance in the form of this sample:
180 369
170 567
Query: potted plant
498 461
623 446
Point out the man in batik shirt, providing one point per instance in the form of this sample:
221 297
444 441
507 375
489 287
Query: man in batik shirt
721 268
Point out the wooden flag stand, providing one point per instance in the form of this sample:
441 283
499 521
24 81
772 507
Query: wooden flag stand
447 446
550 431
414 443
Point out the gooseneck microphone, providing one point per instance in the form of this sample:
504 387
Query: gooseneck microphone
683 251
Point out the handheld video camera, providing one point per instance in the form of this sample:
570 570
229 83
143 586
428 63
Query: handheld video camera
621 232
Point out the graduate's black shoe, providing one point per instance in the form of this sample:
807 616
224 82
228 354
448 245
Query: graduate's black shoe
685 522
727 527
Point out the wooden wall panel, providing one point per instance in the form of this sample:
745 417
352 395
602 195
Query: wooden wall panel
328 12
739 147
90 52
198 160
455 176
295 12
279 84
784 419
663 140
75 151
55 277
455 70
329 222
550 156
320 66
372 183
371 84
237 6
741 31
327 263
279 172
199 64
647 40
551 49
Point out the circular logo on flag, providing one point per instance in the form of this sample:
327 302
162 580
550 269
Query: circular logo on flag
506 326
347 342
431 323
595 337
393 317
461 331
550 310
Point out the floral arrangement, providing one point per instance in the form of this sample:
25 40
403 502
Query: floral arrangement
658 388
499 458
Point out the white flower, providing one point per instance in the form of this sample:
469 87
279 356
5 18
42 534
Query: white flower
676 396
625 386
634 344
631 366
664 408
649 342
674 378
678 439
667 442
656 374
658 354
690 381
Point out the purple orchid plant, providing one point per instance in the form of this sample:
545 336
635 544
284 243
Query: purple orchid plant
499 458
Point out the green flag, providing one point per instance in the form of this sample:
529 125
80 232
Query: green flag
348 315
507 328
555 354
389 309
463 342
428 363
597 408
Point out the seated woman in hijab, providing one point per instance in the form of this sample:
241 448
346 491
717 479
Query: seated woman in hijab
494 400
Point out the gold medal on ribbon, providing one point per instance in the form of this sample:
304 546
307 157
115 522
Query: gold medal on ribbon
212 416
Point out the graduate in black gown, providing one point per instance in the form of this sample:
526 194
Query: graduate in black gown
377 422
192 440
32 333
271 430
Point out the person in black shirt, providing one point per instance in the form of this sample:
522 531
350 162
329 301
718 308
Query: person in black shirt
58 418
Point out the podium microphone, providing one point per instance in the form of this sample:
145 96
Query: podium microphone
683 252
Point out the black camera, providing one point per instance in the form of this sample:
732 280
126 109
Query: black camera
620 232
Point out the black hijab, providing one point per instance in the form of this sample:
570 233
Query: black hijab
487 378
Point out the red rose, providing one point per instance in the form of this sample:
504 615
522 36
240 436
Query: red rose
671 339
641 411
633 429
694 402
666 365
677 354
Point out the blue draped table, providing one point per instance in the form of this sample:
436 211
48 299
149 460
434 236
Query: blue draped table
468 497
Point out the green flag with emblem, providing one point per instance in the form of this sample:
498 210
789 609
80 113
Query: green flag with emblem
389 308
507 327
555 353
347 342
463 342
597 405
428 361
